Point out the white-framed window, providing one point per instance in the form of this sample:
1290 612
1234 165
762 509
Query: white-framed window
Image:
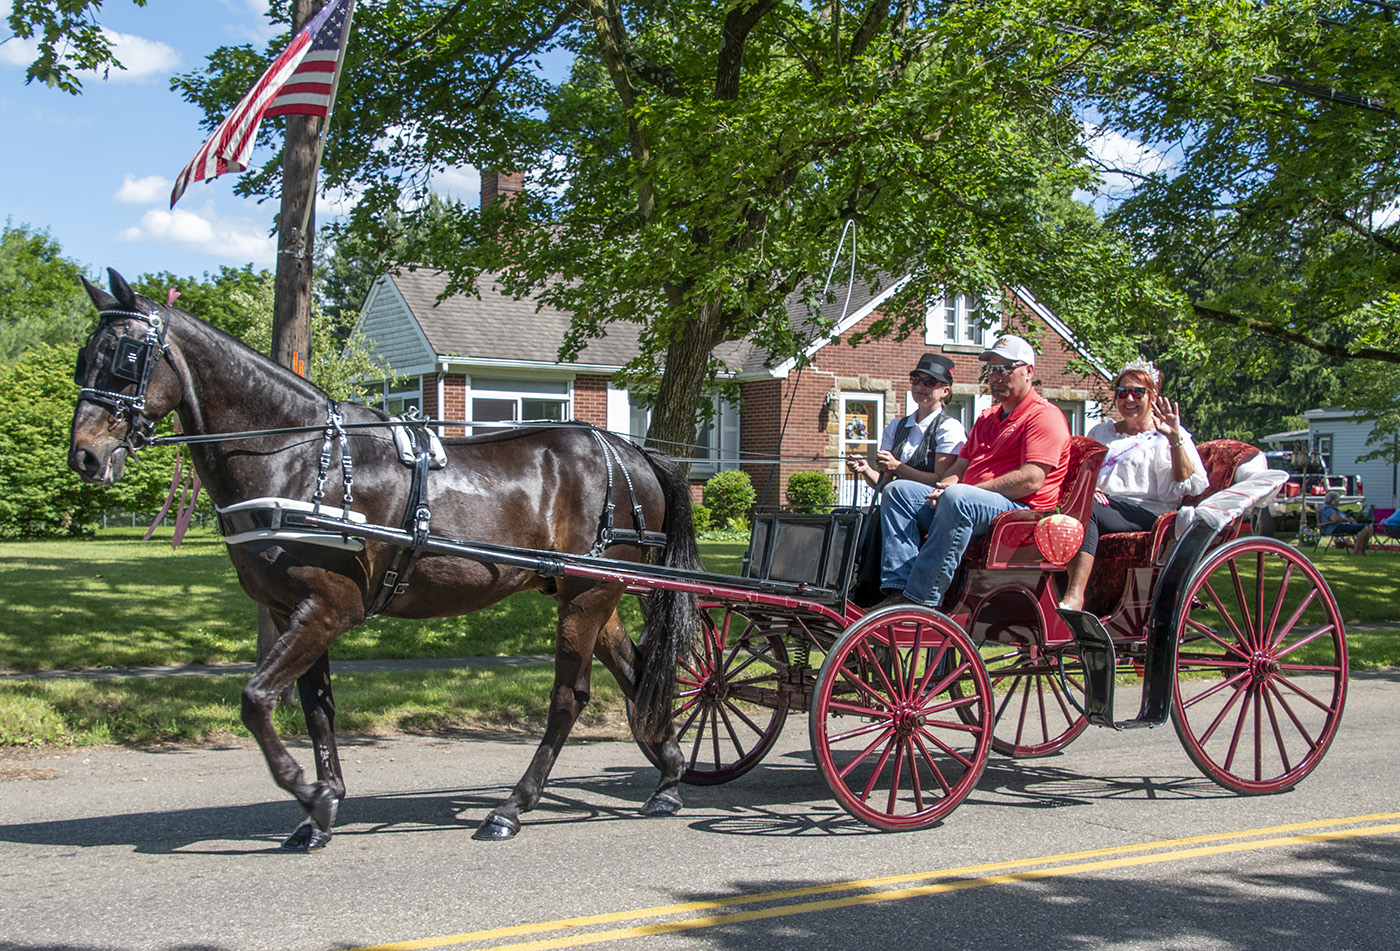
1322 447
401 395
959 318
962 408
717 441
1074 415
513 401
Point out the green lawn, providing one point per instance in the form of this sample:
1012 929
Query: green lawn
118 602
115 601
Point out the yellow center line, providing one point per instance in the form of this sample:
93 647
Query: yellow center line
871 895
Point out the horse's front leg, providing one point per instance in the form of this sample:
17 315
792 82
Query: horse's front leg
303 640
620 656
318 704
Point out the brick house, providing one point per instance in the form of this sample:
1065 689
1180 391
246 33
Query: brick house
489 358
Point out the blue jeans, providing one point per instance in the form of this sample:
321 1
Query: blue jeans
924 573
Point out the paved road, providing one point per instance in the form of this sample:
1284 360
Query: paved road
122 850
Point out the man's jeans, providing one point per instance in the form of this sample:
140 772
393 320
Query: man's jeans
923 574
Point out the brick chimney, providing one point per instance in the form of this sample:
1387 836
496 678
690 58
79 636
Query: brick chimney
500 186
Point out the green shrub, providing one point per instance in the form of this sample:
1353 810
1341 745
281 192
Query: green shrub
701 516
810 492
729 496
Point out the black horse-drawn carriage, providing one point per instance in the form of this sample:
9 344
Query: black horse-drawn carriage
1238 640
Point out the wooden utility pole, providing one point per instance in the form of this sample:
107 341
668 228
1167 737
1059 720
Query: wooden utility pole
291 308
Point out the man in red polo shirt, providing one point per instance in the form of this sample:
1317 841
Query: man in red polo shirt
1015 458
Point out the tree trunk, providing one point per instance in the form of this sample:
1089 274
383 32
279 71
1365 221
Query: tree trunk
682 387
291 308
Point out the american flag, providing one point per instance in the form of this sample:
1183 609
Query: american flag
301 81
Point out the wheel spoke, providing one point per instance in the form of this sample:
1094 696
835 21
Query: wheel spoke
1268 704
1214 689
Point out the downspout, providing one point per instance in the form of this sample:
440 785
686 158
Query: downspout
442 396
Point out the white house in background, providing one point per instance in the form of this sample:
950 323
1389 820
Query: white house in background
1340 440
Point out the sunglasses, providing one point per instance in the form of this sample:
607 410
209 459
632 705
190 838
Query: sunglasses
1137 392
923 379
1004 369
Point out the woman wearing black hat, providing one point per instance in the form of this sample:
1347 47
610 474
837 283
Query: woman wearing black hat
922 445
919 447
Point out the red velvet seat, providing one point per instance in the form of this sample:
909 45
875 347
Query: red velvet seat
1011 540
1120 552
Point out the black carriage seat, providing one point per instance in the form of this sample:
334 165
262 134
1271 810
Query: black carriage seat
1011 540
1121 552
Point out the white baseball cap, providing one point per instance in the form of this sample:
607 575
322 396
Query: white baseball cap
1012 348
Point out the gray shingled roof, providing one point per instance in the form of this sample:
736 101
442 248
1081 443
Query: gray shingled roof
495 326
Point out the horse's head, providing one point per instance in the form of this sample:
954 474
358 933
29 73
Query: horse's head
128 381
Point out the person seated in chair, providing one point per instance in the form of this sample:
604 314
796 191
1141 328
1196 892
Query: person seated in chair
1332 521
1151 464
924 444
1391 526
920 447
1015 458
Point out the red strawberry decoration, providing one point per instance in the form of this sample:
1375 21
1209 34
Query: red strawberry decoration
1058 537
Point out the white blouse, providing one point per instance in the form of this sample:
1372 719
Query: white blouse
1138 468
950 436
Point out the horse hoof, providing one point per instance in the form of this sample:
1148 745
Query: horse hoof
307 837
661 804
496 829
323 808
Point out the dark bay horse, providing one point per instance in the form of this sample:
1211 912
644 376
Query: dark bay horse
543 488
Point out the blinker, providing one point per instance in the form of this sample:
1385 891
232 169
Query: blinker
129 360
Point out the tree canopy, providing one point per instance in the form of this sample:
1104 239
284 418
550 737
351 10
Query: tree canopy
698 164
68 39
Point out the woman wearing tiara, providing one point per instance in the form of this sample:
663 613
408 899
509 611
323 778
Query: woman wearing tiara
1151 464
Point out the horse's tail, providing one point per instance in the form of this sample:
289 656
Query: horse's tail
670 621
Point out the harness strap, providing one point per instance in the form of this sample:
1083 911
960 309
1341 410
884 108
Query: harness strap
333 432
416 519
607 535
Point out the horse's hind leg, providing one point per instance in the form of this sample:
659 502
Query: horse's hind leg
581 616
620 656
318 704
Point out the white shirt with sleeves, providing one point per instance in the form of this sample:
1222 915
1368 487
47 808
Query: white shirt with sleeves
1138 467
950 436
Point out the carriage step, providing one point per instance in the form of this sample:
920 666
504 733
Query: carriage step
1096 651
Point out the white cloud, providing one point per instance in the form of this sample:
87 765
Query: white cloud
1386 215
235 239
17 52
1121 159
143 191
462 183
142 58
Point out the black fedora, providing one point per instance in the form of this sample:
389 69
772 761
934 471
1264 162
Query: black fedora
937 366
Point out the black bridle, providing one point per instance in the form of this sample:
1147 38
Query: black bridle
133 360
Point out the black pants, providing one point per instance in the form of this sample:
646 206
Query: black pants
1119 515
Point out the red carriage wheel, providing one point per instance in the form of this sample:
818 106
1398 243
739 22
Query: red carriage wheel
1034 715
1261 669
729 709
898 745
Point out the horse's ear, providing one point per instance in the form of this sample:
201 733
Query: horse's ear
125 295
101 298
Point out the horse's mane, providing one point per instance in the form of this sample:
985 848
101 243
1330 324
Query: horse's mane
279 372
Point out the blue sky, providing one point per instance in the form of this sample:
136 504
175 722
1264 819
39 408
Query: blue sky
95 170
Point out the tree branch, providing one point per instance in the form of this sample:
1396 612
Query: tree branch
729 66
1292 336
